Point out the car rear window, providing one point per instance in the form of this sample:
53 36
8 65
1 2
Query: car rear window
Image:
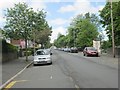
91 48
43 52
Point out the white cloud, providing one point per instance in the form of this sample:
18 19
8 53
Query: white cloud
56 31
67 8
37 5
105 35
10 3
58 21
4 4
80 6
2 19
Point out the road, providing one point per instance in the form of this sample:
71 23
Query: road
68 70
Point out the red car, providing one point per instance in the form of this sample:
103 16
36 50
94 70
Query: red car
90 51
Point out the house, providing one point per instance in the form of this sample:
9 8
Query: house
21 43
96 44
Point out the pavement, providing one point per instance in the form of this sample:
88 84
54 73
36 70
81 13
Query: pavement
11 68
105 59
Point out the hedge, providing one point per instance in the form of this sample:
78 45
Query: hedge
6 47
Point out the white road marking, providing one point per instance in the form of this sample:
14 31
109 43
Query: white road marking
51 77
15 76
71 78
77 87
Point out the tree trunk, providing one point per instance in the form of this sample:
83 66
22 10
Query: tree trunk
26 50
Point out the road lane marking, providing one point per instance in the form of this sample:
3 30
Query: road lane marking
6 83
10 85
77 87
13 83
71 78
51 77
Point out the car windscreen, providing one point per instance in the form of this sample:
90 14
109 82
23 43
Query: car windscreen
43 52
91 48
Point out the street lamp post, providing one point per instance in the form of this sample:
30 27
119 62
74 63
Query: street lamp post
113 42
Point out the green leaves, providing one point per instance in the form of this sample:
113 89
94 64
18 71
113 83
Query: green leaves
105 14
23 22
81 32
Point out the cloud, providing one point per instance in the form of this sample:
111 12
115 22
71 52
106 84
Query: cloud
4 4
10 3
58 21
56 31
80 7
105 37
67 8
37 5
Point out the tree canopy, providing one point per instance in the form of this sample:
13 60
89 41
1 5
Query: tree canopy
22 22
105 15
81 32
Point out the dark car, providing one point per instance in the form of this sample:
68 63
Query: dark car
74 50
90 51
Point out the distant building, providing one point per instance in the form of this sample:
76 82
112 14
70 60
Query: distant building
21 43
96 44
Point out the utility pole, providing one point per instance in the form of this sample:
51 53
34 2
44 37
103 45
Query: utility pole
113 42
34 37
34 43
74 36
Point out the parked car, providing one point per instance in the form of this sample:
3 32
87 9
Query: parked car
90 51
80 49
67 49
42 56
74 50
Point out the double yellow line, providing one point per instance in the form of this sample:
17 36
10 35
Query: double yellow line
12 84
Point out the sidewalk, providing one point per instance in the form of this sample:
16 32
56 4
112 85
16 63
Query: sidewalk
11 68
110 60
104 59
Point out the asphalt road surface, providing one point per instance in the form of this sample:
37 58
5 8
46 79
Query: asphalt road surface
67 71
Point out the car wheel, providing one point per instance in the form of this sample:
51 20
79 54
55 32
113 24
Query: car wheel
97 55
86 55
34 64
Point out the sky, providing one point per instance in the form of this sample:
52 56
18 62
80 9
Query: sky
59 12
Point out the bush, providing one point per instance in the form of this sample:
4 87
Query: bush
6 47
28 53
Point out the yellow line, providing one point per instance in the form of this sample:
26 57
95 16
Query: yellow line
13 83
10 85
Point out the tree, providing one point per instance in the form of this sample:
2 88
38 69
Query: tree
41 29
60 41
87 34
17 25
106 20
83 29
81 32
24 23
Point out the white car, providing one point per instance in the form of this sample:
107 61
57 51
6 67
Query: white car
42 56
